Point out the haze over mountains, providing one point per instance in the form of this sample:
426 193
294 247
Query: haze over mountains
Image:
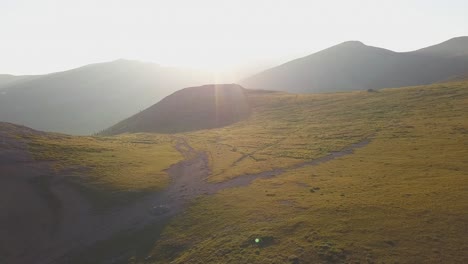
8 79
353 66
94 97
265 171
91 98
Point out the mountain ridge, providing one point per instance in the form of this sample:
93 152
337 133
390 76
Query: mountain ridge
352 65
189 109
90 98
453 47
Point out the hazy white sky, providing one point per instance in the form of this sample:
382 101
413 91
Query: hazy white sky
41 36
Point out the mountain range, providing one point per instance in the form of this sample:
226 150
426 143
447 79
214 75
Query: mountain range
88 99
94 97
353 65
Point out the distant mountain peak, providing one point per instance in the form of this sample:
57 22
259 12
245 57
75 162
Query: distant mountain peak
349 46
461 38
352 43
122 60
352 65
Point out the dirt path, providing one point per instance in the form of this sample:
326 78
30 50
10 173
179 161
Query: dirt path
189 180
47 219
245 180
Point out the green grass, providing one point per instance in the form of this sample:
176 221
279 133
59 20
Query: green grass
111 170
400 199
288 129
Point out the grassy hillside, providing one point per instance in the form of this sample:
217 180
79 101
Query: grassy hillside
399 199
110 170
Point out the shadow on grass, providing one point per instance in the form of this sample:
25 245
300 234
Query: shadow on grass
125 247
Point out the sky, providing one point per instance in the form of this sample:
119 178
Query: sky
242 36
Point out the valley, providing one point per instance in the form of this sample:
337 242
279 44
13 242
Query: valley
233 132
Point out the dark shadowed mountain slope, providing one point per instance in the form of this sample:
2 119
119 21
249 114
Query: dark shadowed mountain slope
457 78
353 66
189 109
91 98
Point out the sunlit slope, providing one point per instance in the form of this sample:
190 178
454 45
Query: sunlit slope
109 170
288 129
402 198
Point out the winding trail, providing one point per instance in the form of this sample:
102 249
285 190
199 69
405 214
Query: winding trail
246 179
193 183
78 226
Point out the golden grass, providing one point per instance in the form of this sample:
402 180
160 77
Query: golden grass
109 166
400 199
287 129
